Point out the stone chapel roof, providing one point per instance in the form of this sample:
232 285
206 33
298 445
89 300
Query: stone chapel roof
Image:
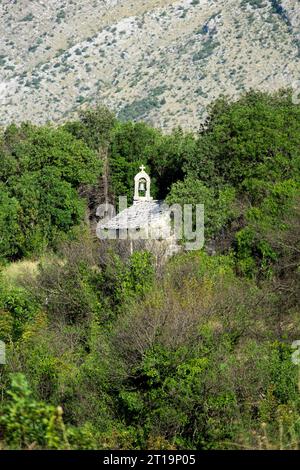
140 214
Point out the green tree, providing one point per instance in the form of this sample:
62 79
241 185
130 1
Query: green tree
130 148
218 203
33 148
249 142
11 236
43 169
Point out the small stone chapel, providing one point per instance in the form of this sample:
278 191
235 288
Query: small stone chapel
145 220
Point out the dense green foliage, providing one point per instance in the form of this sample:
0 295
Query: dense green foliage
41 170
107 349
248 143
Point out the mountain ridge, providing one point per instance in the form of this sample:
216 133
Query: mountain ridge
162 61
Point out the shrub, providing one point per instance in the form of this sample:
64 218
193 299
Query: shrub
27 423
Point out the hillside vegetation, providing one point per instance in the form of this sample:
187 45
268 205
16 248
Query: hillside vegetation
107 350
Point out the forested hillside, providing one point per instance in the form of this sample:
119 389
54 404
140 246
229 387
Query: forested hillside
107 350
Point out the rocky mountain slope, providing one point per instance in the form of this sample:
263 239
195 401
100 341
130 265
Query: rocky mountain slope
162 61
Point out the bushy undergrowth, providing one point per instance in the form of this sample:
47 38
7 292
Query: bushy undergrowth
106 351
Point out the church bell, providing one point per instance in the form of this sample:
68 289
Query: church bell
142 186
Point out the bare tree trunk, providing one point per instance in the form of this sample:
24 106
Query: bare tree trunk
105 175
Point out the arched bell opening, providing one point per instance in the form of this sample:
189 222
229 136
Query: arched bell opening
142 187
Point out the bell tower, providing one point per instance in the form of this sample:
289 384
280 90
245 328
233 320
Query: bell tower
142 186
